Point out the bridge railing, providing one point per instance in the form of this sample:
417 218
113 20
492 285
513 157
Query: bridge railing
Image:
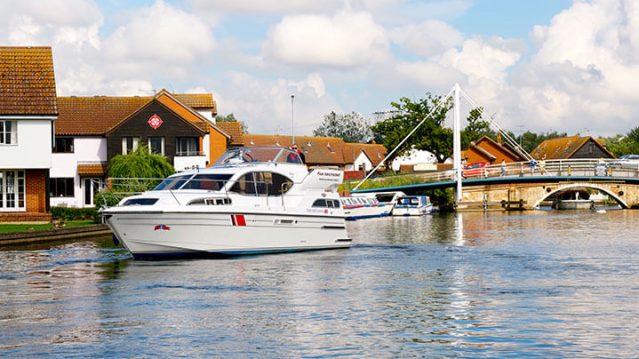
572 167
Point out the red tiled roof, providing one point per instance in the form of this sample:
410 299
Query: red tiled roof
97 115
27 81
234 129
375 152
564 147
92 169
318 150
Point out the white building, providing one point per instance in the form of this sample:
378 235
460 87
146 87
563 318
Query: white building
27 113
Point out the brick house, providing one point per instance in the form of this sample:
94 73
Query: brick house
325 151
90 131
571 148
28 110
492 152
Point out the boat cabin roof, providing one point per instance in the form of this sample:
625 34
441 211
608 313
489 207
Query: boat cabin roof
254 155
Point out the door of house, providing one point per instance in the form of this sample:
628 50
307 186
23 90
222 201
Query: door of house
91 187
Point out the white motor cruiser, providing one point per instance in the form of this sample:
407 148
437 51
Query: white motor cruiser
252 200
364 206
412 206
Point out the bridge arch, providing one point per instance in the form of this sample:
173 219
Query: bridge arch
607 191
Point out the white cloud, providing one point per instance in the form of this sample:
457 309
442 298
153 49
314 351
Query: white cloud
427 38
161 34
583 74
51 22
265 104
345 40
266 6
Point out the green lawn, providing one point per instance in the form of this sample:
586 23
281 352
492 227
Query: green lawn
11 228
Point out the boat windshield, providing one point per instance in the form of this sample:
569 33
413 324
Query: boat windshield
207 181
258 154
174 182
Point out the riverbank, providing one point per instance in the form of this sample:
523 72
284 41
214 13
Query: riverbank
53 234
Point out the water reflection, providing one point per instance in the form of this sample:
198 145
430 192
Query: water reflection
522 284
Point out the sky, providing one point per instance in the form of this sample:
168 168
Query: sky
538 65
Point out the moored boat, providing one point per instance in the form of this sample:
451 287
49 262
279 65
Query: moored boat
364 206
412 206
251 201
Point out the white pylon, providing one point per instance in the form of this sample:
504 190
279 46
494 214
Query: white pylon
457 143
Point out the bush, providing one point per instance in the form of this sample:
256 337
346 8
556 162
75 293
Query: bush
69 213
107 199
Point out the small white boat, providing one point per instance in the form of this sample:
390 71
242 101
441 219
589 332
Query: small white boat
388 197
257 200
574 200
412 206
364 206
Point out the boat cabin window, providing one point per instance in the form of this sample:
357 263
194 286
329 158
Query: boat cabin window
409 200
262 184
173 182
209 182
210 202
326 203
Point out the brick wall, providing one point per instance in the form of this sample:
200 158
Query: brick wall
217 145
35 197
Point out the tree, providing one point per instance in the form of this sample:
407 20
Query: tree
476 128
623 145
231 118
351 127
431 136
530 140
135 168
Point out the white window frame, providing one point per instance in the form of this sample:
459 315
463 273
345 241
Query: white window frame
149 144
136 142
18 194
12 135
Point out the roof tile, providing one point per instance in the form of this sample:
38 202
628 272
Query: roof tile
27 81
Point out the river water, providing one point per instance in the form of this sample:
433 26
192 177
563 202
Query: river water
534 284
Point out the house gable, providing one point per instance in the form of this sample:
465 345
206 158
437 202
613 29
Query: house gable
137 125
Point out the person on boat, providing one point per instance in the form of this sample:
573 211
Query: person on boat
503 168
299 153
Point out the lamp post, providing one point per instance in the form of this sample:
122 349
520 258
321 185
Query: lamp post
292 120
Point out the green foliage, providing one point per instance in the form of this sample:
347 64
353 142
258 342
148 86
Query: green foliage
140 164
382 182
68 213
624 145
231 118
108 198
130 174
442 198
431 136
350 127
530 140
14 228
476 128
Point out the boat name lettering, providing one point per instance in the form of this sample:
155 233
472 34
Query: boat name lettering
330 174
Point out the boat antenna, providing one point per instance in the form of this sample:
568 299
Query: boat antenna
292 120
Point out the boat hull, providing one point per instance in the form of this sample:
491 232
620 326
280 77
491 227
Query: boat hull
157 235
412 211
364 212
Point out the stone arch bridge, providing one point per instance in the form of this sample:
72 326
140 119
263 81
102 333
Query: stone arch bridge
517 187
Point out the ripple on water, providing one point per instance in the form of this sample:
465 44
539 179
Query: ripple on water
499 285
